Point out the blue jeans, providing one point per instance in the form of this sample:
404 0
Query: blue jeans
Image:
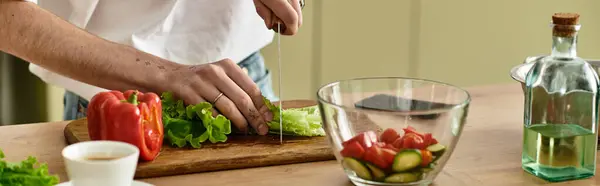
75 106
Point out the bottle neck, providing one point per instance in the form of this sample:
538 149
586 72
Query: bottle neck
564 46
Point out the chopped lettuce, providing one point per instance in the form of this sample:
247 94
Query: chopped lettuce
25 173
192 124
304 121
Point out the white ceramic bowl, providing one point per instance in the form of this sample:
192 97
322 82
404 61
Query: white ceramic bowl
118 171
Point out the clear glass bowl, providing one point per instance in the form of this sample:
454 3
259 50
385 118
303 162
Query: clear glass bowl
427 106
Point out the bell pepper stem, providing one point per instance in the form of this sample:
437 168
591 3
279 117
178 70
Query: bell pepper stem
133 98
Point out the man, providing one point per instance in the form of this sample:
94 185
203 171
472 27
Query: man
193 48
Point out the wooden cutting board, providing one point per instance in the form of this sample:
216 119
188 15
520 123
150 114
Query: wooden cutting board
238 152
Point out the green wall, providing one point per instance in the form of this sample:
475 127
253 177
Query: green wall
22 94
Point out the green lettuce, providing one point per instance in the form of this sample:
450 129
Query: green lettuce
192 124
25 173
304 121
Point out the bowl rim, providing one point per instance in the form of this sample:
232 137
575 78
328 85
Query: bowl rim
463 104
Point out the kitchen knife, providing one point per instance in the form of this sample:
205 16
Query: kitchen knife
279 22
280 96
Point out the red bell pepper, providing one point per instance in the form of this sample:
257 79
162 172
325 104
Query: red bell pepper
136 120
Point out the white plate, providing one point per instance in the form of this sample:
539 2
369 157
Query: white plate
135 183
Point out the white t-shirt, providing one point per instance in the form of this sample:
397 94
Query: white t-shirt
182 31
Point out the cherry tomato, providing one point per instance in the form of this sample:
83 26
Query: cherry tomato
365 139
411 130
375 156
388 155
427 157
353 149
391 147
398 143
428 139
389 135
434 141
413 141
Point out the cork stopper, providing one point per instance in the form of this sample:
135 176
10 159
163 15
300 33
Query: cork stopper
565 24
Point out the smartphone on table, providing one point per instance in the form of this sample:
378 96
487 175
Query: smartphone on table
386 102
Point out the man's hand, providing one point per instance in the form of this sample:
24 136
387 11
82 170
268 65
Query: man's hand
287 12
241 102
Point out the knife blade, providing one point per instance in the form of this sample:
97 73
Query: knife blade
280 96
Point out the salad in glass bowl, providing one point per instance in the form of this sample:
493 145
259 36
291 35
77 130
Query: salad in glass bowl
392 130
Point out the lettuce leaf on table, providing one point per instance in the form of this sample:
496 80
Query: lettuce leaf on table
194 124
25 173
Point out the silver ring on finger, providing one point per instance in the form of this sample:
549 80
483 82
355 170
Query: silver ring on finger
217 98
302 4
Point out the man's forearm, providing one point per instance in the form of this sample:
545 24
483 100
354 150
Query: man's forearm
38 36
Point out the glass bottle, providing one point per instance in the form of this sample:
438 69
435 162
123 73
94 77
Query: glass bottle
561 109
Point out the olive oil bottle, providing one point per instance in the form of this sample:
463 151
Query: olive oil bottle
561 109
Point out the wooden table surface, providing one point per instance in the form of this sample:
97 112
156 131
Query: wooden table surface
488 152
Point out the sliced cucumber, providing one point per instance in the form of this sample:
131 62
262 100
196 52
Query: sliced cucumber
404 177
436 149
418 174
377 173
435 158
426 169
406 159
358 168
